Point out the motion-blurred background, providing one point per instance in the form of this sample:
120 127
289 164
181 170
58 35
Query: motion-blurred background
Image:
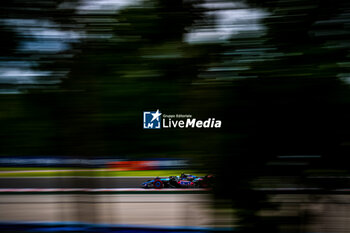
76 76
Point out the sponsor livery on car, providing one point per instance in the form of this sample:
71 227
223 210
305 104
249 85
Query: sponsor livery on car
182 181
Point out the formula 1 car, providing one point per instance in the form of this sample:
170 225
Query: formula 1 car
182 181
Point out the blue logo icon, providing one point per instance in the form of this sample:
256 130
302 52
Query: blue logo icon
151 120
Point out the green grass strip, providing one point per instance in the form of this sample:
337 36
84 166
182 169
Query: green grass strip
98 173
34 168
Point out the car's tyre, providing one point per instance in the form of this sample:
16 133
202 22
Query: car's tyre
158 184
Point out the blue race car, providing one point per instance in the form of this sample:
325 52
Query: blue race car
182 181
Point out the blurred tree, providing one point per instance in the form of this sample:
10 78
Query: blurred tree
295 104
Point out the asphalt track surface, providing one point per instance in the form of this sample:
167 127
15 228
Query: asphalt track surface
73 182
141 209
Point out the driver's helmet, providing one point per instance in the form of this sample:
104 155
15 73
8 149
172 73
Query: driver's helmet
183 176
